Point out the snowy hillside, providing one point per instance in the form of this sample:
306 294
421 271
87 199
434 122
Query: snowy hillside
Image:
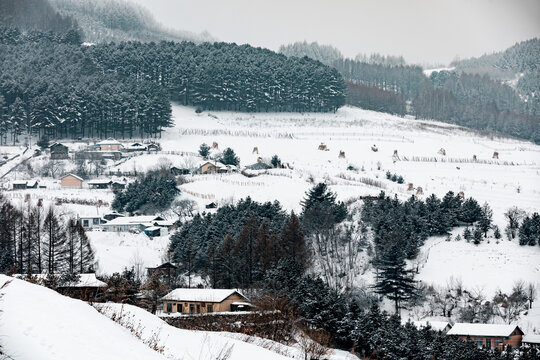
79 331
82 332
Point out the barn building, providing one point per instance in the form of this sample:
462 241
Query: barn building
488 335
202 301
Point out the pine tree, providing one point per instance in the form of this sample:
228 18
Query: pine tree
477 235
395 281
229 157
496 232
486 218
54 243
204 151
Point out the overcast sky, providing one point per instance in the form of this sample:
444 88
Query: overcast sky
422 31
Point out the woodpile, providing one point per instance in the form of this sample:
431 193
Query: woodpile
442 151
461 195
495 155
419 191
341 154
255 150
410 187
215 145
374 148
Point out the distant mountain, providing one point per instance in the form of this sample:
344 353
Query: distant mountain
523 57
119 20
324 53
34 15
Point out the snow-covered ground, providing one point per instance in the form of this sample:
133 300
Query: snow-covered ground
117 250
511 180
39 323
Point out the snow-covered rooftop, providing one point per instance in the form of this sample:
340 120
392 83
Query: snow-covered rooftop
206 295
434 324
531 339
109 141
481 329
85 280
134 220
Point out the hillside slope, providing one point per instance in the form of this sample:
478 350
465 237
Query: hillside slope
39 323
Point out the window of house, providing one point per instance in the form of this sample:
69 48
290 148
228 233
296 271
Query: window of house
191 308
85 223
488 343
169 307
198 308
95 221
210 308
179 308
478 342
498 343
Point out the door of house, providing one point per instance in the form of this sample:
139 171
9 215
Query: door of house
179 308
198 309
169 307
191 308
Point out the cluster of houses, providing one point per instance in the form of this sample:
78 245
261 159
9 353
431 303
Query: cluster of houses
106 149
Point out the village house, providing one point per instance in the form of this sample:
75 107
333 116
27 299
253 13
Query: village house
71 181
202 301
179 171
488 335
153 147
88 287
531 340
99 184
109 145
106 184
24 184
167 271
137 223
135 147
59 151
91 217
216 167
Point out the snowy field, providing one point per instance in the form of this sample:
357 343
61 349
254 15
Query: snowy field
511 180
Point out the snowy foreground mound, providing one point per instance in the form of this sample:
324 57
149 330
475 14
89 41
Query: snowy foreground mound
39 323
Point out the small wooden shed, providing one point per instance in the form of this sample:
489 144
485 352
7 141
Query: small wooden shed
71 181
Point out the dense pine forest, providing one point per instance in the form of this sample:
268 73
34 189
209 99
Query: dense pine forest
52 85
466 96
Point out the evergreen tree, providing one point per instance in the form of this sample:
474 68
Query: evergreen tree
395 281
470 211
204 150
275 161
229 157
486 218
